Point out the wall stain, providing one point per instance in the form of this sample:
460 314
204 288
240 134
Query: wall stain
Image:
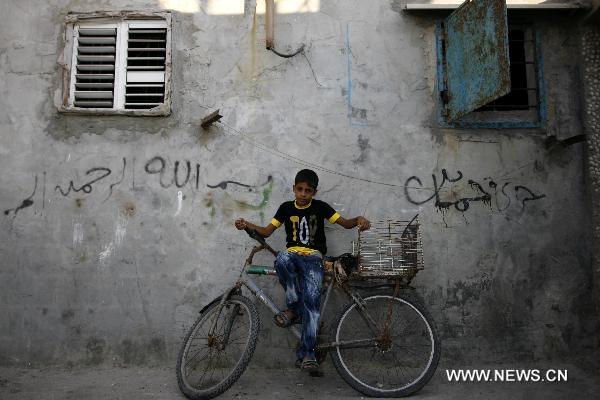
128 209
363 146
136 353
67 315
95 350
191 276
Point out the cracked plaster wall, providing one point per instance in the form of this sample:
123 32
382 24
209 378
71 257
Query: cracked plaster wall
116 272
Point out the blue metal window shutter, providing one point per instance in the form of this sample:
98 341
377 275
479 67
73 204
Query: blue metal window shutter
477 67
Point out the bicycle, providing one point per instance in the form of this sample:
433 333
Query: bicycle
382 345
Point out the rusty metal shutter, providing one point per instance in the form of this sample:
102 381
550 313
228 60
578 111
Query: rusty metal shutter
476 61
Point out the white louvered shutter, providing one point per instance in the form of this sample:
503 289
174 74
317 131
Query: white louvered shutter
146 60
94 60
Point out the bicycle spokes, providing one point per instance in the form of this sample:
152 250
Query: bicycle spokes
398 359
216 345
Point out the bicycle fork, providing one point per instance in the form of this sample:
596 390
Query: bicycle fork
382 335
213 340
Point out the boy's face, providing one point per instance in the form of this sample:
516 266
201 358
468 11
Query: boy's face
304 193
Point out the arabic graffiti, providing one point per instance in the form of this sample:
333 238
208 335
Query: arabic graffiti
86 187
223 184
447 190
112 185
445 201
180 175
158 166
176 174
25 203
267 188
531 195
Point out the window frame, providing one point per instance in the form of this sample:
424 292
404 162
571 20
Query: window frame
490 121
119 20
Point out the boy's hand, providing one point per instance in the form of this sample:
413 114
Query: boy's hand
241 224
363 223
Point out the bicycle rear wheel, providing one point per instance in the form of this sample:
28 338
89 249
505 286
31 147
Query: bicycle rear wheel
394 367
210 361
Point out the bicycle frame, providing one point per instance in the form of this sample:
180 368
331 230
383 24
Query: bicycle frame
380 334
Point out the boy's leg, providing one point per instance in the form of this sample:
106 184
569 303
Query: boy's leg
311 281
288 277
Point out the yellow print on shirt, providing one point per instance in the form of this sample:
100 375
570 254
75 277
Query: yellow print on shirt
294 219
300 229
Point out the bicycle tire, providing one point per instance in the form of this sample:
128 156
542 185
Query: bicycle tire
411 324
217 356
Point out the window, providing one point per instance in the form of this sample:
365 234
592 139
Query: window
118 64
523 93
489 73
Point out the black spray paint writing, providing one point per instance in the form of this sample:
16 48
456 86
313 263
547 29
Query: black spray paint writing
223 184
26 202
112 185
86 187
462 204
180 175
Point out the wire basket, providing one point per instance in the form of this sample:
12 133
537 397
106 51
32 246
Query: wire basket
390 249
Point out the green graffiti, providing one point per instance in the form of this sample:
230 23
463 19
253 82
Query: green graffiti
266 195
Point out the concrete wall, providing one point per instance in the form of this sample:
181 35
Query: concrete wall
117 275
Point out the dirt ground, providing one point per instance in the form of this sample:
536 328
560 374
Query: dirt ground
259 383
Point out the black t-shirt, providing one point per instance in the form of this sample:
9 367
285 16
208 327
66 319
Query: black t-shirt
304 226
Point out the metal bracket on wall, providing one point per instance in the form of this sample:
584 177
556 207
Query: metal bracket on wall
552 142
209 119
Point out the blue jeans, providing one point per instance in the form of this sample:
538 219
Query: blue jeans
302 280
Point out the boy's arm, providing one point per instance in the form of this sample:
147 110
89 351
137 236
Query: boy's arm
262 231
360 221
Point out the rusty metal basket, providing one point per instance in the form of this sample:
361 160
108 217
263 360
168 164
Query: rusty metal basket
390 250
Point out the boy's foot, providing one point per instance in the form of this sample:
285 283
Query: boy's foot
309 365
285 318
314 373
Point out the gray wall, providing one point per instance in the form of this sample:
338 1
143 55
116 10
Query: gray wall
117 275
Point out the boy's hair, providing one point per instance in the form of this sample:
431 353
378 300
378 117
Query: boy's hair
309 176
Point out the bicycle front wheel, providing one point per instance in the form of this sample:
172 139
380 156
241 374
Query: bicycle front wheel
393 365
217 348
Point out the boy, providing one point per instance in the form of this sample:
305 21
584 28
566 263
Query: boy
300 267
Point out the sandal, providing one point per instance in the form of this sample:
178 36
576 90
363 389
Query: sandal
309 365
285 318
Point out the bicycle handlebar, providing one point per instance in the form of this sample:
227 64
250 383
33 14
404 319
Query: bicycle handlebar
256 236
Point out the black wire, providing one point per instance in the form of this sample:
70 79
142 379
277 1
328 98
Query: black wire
287 55
297 160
